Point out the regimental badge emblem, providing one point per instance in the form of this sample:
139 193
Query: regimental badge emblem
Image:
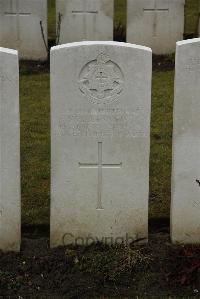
101 80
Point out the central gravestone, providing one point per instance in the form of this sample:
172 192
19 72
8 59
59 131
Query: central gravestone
158 24
79 20
100 142
23 26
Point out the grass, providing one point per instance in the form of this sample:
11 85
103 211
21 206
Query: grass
192 10
161 139
51 20
35 132
35 147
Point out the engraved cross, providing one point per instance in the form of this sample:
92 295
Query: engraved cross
102 80
101 77
86 15
155 10
85 12
100 166
15 12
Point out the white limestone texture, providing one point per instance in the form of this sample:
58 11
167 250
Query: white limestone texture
185 207
158 24
79 20
21 25
100 126
10 202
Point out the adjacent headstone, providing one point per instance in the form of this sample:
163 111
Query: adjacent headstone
23 26
10 211
100 105
185 210
158 24
79 20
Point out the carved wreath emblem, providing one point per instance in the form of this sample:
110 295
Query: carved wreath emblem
101 80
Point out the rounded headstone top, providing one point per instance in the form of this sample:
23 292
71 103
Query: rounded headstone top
8 51
103 43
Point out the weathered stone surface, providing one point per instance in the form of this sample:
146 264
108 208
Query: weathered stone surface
100 123
20 27
84 20
185 209
158 24
10 210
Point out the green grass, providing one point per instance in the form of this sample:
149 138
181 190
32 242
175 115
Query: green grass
161 139
120 12
35 147
51 20
191 16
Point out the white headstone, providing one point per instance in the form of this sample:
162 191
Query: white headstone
79 20
100 105
23 26
185 209
158 24
10 210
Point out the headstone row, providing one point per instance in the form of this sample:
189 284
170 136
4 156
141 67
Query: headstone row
100 128
154 23
79 20
158 24
23 26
